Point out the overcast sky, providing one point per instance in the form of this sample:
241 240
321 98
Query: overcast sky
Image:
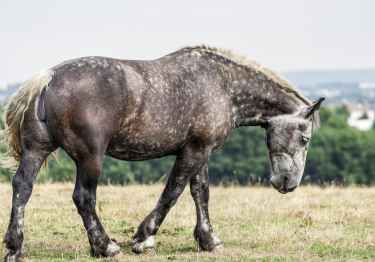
284 35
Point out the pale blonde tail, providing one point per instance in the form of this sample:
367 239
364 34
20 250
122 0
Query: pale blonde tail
14 111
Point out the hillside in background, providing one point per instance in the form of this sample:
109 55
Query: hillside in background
4 93
318 77
339 86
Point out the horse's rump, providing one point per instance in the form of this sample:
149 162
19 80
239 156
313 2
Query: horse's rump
14 111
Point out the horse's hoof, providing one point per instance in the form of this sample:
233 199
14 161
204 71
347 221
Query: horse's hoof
12 256
145 247
113 249
118 255
148 252
218 249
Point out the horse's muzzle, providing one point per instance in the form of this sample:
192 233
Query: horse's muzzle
282 184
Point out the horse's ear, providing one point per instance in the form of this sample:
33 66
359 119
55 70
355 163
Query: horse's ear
314 107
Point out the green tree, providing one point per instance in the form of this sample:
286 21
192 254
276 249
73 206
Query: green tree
340 152
343 111
242 157
5 174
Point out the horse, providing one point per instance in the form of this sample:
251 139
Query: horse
183 104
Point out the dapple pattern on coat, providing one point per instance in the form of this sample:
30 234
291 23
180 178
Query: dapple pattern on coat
184 104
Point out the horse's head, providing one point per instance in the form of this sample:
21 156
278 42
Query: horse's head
287 140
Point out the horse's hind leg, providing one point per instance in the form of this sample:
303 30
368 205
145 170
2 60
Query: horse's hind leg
36 146
203 233
84 196
22 184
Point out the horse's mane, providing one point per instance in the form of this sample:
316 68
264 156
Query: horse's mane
270 74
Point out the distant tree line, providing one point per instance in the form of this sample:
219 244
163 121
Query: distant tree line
337 153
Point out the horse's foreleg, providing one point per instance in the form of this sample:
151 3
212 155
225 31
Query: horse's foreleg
84 197
203 233
186 166
22 184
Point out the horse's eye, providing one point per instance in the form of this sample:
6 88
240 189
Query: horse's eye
304 139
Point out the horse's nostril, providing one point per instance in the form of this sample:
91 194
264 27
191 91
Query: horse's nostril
277 182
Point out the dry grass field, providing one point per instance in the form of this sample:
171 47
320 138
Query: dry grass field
255 224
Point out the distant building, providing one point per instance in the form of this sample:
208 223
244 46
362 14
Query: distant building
361 116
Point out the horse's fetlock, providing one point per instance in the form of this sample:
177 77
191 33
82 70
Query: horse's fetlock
144 247
98 251
16 256
146 229
100 243
206 239
13 238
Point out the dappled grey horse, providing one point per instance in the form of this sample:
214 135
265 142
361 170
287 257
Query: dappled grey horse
184 104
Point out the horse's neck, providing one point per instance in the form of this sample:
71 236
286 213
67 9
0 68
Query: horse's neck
256 98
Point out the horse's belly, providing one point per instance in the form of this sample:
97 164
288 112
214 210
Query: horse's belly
141 149
134 155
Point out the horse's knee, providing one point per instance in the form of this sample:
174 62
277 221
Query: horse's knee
77 197
26 172
21 184
199 190
82 198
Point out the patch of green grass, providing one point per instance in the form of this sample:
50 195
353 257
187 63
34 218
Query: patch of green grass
328 252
